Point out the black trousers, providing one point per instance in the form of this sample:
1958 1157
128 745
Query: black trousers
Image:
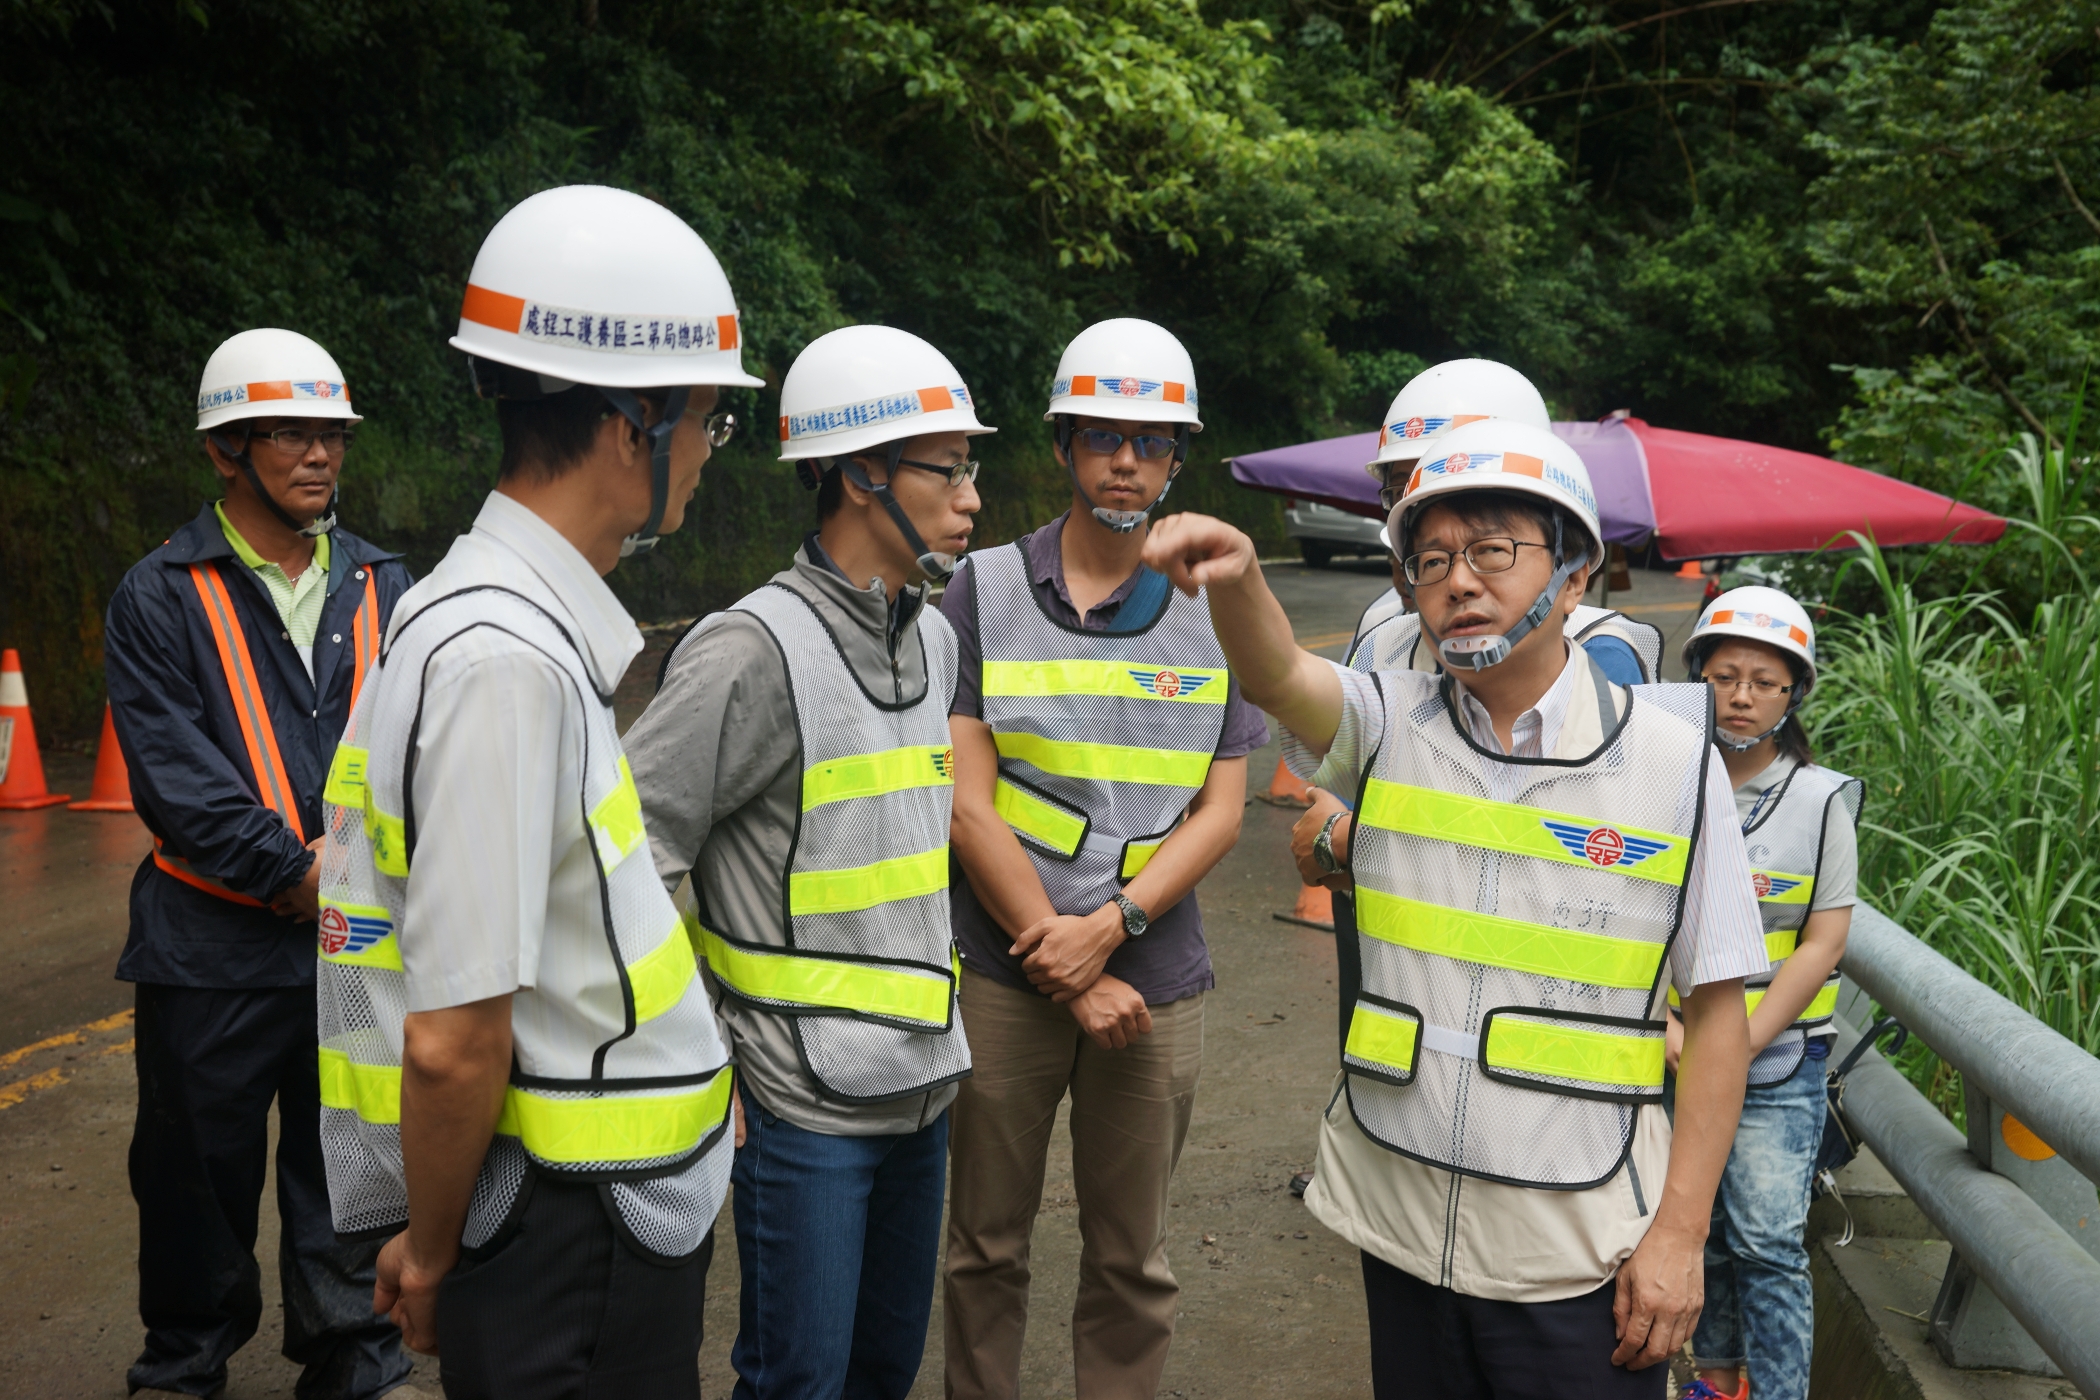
210 1062
558 1307
1431 1343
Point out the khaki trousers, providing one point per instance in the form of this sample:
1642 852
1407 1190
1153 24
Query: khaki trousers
1130 1113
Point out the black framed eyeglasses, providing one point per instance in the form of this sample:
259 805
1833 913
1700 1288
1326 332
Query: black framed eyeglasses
297 442
1106 441
1488 556
960 472
1725 685
721 427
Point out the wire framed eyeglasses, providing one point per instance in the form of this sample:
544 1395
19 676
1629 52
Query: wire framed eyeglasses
1489 556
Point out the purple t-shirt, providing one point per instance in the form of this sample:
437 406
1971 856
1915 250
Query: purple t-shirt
1171 961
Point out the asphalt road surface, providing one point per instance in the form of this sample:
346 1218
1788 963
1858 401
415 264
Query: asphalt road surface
1271 1302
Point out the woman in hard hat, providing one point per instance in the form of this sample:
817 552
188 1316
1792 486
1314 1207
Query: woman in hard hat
1538 854
1757 648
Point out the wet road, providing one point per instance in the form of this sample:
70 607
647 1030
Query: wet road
1271 1303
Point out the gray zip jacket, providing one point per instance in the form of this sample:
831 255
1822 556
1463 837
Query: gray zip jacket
719 765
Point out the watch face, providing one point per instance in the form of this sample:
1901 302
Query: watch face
1134 920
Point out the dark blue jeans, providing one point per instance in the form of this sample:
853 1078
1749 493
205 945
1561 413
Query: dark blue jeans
837 1239
1760 1304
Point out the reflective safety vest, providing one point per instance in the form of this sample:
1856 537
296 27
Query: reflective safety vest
617 1073
1386 637
867 974
266 770
1514 918
1104 737
1785 836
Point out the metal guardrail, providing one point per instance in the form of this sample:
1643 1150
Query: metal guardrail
2009 1215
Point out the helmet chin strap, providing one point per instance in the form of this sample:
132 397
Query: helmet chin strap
313 529
934 565
1478 652
630 407
1120 521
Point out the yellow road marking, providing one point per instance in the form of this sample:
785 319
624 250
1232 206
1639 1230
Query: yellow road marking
1325 639
12 1094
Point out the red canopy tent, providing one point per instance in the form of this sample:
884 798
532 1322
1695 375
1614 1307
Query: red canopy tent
1690 495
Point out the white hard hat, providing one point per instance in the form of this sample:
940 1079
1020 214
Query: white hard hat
1757 615
590 285
264 373
863 386
1451 395
1126 369
1499 454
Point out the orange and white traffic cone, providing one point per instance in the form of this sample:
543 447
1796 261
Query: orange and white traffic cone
112 780
21 766
1287 789
1690 569
1314 909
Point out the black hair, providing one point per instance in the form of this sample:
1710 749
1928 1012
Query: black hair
831 493
547 437
1498 510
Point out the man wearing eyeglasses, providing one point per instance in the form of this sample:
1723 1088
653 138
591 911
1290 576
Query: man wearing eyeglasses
235 653
1541 858
1100 756
796 764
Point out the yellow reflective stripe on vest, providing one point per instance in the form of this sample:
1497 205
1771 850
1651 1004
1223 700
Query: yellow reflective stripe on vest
357 935
1780 944
1527 831
1138 854
1564 1052
1495 941
1381 1037
619 1127
372 1092
1821 1007
873 774
865 886
660 976
346 777
1106 763
389 840
1778 887
616 822
827 982
1126 680
1046 822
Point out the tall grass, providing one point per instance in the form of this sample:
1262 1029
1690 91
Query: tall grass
1978 734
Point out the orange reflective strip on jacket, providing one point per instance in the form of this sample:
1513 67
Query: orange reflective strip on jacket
364 634
272 782
197 879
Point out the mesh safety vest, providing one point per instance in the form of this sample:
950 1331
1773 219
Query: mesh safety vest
1386 637
1785 837
868 970
1514 917
1104 737
617 1073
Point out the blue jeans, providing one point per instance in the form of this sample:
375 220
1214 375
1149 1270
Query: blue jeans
1760 1306
837 1239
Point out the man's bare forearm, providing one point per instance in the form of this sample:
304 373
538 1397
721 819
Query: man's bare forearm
455 1067
1001 875
1711 1075
1198 844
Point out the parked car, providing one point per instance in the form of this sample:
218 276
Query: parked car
1322 532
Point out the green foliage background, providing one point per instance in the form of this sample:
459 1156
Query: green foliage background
1804 221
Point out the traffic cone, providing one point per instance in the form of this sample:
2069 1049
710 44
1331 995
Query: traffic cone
21 766
1314 909
112 782
1287 789
1690 569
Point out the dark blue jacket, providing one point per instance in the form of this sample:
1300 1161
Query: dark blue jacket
192 776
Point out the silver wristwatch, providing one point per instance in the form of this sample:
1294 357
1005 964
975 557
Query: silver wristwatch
1323 846
1135 920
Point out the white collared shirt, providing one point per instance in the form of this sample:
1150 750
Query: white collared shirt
1482 1238
502 864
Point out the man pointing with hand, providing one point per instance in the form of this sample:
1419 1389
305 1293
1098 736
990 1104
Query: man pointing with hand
1540 855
